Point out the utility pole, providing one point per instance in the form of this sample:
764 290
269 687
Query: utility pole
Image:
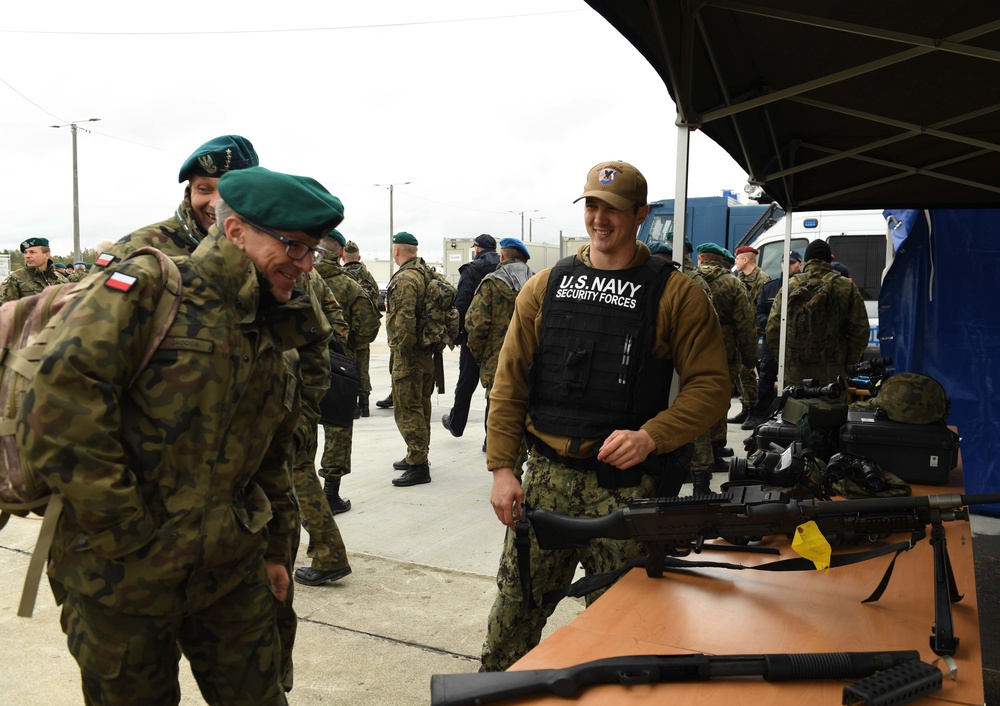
76 184
391 230
521 214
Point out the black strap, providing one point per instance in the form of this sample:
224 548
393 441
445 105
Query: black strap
589 584
522 543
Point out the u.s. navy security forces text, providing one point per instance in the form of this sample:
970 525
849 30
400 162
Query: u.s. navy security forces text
605 290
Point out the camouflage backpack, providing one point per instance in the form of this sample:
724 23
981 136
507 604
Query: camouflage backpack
438 325
810 313
26 327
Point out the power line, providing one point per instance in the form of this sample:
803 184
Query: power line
62 120
290 29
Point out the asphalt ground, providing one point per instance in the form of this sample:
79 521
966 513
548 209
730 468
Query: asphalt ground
424 560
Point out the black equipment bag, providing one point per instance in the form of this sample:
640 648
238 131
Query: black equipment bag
338 404
917 453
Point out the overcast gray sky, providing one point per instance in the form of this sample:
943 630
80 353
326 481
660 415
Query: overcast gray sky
487 108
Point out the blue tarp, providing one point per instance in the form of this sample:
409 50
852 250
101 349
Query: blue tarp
939 315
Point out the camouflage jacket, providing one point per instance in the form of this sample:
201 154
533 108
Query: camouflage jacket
26 281
363 319
729 297
403 301
311 363
177 488
360 273
849 329
178 235
753 282
489 314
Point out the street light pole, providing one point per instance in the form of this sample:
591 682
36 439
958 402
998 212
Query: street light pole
521 213
530 222
391 232
76 185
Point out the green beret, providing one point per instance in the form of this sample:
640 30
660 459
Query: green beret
58 264
711 248
34 242
728 255
218 156
282 201
351 247
336 235
404 238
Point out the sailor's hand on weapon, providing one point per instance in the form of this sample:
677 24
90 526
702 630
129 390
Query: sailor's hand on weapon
507 497
625 448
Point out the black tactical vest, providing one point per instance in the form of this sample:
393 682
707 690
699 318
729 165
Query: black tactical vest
594 369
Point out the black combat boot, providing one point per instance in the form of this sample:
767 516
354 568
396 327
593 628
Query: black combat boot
402 465
741 417
338 504
414 475
363 405
719 453
386 403
701 481
750 424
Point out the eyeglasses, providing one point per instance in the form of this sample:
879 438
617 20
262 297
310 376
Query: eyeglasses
295 249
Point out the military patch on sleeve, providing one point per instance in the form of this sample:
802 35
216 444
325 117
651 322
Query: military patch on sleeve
120 282
104 259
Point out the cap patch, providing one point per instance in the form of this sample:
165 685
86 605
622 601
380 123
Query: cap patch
608 176
104 259
120 282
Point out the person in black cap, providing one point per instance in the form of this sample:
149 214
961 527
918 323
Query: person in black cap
179 514
768 362
485 260
37 274
833 332
184 230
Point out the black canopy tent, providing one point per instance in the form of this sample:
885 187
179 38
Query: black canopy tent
835 104
891 104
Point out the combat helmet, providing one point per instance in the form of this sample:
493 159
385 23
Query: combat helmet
912 398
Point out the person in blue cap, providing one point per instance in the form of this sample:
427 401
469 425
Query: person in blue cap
179 514
484 261
181 233
488 315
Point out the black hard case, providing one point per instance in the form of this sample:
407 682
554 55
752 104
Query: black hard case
917 453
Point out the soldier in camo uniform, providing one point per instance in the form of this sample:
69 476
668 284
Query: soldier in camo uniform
753 278
702 460
412 365
362 323
490 310
351 256
739 332
37 274
599 429
179 510
842 343
186 228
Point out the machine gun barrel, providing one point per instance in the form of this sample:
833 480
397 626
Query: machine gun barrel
751 512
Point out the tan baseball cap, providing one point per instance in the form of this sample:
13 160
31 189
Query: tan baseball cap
619 183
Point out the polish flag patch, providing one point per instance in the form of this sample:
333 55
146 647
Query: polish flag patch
104 260
120 282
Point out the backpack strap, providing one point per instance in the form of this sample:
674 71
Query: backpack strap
39 556
167 304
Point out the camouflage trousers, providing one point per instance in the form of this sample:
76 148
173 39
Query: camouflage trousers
337 445
512 630
703 458
412 387
326 545
127 659
362 358
747 386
